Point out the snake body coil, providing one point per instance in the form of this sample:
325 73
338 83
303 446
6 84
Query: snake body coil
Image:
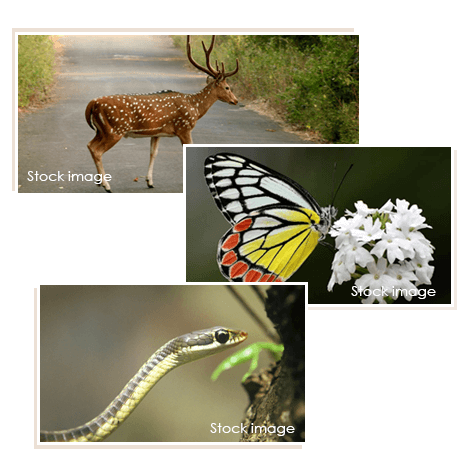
178 351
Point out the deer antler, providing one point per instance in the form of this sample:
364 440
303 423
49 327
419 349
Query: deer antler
216 74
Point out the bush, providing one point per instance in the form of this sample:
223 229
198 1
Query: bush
324 95
35 67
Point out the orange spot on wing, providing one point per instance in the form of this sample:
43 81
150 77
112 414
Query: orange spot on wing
231 242
238 270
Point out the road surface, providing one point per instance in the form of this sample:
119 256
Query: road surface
52 141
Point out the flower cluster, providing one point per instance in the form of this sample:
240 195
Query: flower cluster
383 250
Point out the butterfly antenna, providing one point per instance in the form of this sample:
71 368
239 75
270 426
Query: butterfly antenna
345 175
332 182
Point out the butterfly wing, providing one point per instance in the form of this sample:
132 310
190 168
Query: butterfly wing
276 223
240 186
268 245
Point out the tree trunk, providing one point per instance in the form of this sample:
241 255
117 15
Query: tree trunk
277 395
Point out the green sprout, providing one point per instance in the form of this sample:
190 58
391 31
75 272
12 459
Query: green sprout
248 353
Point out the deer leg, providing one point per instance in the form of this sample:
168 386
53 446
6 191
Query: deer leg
185 138
154 144
97 147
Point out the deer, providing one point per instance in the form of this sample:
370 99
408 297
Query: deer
161 114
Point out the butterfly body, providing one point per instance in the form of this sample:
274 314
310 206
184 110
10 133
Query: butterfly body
276 224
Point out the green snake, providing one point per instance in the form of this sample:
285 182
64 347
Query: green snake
179 351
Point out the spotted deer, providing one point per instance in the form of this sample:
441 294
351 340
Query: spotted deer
161 114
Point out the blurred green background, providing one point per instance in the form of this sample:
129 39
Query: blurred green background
422 176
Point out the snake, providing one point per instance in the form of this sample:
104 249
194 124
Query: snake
179 351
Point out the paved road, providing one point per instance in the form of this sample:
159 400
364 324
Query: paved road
54 139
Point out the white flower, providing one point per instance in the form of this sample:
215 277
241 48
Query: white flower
371 230
422 270
396 247
377 281
383 250
362 209
403 278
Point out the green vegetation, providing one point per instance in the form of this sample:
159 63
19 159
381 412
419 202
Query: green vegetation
313 81
35 67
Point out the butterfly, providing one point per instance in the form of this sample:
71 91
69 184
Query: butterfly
276 224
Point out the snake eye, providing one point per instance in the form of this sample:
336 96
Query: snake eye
222 336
